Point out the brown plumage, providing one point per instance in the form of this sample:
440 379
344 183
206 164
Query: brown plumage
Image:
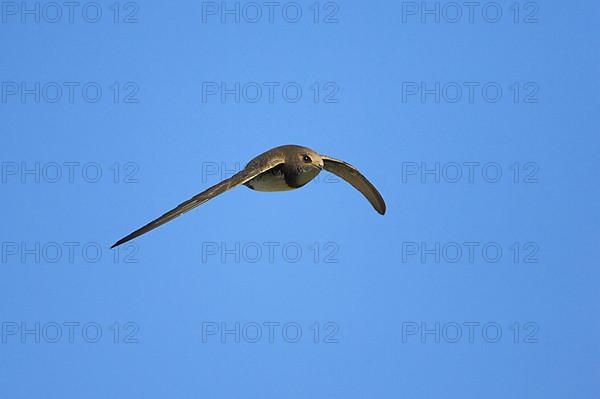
282 168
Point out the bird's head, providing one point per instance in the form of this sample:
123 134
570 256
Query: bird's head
309 160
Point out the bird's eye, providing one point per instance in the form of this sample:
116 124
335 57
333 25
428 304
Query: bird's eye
306 158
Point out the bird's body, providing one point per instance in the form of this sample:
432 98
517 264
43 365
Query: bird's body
271 180
283 168
291 174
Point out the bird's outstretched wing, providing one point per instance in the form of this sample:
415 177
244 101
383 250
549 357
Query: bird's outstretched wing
357 180
252 170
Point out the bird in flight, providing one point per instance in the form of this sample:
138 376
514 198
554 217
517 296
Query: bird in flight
283 168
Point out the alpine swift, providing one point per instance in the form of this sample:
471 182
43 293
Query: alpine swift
283 168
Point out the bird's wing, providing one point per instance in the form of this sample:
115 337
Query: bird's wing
252 170
357 180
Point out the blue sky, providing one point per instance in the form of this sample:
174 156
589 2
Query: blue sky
477 126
